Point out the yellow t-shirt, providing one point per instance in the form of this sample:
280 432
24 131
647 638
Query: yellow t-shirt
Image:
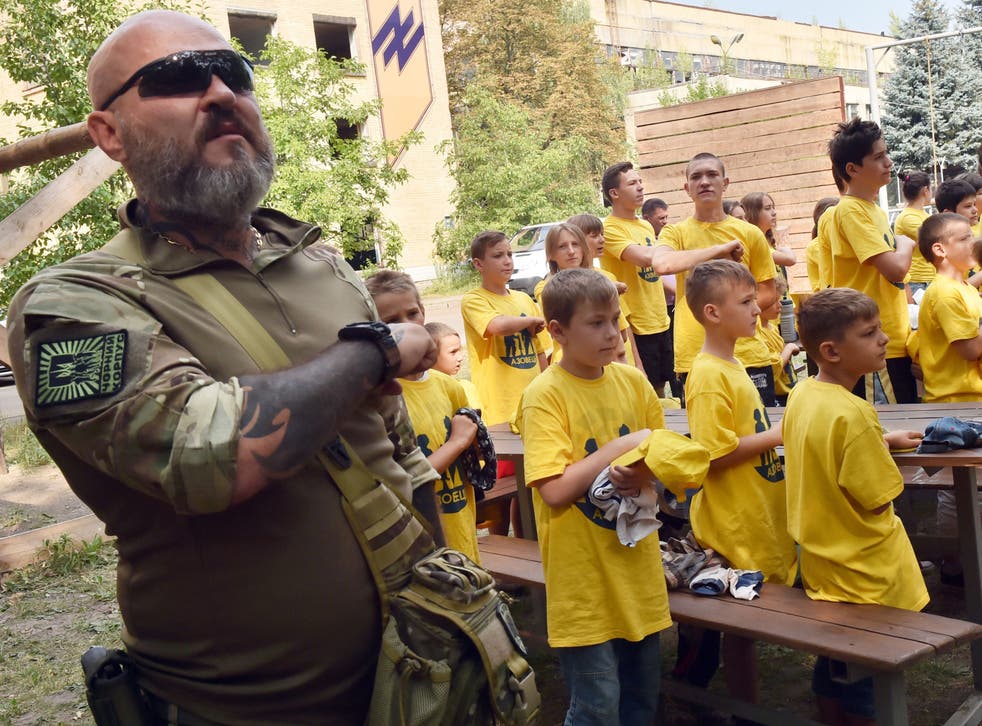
858 231
908 223
695 235
839 470
741 511
596 588
645 294
950 311
431 402
823 250
473 399
501 366
775 344
812 253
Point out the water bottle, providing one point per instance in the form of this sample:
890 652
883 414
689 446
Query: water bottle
788 331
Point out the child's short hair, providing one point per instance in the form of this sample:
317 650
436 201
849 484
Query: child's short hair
935 229
852 141
487 238
950 194
972 178
730 204
827 315
914 183
820 207
438 331
650 205
588 223
384 282
612 179
552 245
780 285
568 289
708 282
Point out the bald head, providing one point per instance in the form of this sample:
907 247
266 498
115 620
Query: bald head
143 38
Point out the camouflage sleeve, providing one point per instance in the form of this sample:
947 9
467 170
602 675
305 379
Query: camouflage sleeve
96 372
407 452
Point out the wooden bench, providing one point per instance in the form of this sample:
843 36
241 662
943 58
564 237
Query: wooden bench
493 510
872 640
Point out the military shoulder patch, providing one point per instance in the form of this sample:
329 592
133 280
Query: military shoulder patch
80 369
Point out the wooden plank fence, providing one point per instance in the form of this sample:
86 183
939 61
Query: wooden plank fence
771 140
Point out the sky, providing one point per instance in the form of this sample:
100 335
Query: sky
871 16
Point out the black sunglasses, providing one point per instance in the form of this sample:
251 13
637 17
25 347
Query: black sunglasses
188 71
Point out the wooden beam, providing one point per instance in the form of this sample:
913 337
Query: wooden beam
58 198
19 550
57 142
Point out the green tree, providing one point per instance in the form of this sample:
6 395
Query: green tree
508 174
340 183
915 99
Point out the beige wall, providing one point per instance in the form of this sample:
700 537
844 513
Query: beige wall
672 27
418 205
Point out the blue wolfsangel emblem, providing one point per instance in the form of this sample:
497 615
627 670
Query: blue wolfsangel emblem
589 510
770 463
80 369
520 349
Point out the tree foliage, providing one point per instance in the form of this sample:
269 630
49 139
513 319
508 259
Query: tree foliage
339 183
509 174
950 88
537 64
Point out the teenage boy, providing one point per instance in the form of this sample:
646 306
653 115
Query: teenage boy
502 328
605 603
627 241
432 399
957 196
709 234
950 345
867 257
741 510
841 482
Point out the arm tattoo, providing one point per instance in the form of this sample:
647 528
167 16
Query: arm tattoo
289 415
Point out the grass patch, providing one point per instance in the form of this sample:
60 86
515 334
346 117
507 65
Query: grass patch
21 446
50 613
453 280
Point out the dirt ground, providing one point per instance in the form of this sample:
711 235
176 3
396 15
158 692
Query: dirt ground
35 498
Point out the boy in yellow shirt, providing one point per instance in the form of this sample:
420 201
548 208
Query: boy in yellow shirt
627 243
950 344
605 603
712 234
867 257
741 510
842 482
432 398
503 330
450 357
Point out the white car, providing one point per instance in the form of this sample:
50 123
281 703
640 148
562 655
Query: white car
528 248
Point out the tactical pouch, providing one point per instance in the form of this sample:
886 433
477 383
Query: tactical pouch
114 697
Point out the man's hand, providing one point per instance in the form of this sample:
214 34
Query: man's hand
903 439
417 351
732 250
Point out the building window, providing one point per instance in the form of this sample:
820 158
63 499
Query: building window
347 131
333 36
251 30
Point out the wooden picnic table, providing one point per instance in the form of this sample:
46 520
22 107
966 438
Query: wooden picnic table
916 416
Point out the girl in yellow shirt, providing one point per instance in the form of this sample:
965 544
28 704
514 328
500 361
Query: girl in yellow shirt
917 191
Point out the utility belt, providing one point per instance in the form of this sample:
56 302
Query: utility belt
116 699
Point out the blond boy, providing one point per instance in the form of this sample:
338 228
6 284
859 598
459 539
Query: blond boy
502 328
842 481
432 399
450 358
606 603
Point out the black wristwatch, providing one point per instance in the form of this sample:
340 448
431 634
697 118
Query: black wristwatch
379 334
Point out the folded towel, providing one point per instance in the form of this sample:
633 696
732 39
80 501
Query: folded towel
635 516
746 584
711 581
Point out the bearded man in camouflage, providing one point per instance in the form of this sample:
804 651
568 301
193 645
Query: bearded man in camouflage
244 593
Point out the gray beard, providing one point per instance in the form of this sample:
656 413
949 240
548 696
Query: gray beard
171 180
